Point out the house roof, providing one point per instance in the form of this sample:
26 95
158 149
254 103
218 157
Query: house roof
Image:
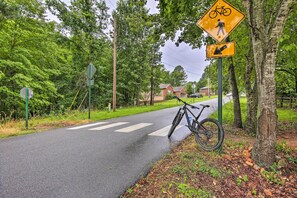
164 86
203 88
175 89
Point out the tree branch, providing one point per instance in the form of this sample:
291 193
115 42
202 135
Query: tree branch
278 26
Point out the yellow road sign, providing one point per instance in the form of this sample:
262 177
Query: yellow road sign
220 50
220 20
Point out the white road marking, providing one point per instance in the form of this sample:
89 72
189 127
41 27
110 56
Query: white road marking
108 126
133 127
164 131
87 125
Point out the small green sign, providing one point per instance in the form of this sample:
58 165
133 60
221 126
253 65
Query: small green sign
91 71
90 82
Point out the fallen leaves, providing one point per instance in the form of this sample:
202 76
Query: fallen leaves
242 178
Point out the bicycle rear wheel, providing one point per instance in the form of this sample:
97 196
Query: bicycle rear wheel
175 122
210 134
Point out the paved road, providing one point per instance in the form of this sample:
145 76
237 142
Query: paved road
102 159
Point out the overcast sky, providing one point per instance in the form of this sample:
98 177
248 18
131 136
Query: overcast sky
193 61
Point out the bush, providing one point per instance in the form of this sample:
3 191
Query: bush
169 96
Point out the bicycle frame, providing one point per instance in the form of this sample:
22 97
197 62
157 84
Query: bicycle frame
186 112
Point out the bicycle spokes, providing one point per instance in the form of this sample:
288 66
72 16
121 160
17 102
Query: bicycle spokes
208 135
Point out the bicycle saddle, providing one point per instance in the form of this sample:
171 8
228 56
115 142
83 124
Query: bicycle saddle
204 105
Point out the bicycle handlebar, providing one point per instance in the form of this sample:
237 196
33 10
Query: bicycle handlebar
194 107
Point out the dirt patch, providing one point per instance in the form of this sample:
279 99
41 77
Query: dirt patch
58 124
191 172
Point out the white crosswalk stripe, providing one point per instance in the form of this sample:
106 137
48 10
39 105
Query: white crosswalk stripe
108 126
164 131
87 125
133 127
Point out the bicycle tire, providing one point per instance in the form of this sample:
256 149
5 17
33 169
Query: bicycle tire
175 122
213 14
205 135
227 12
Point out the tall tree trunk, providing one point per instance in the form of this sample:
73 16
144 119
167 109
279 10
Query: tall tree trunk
237 122
264 39
250 84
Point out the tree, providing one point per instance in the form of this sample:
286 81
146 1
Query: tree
267 20
81 28
286 59
29 56
178 76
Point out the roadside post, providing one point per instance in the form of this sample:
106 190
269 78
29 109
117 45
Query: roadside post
90 82
193 90
219 21
27 94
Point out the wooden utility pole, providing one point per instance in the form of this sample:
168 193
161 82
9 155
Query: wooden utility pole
152 77
114 63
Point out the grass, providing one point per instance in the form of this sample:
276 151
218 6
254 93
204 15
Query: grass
287 115
38 124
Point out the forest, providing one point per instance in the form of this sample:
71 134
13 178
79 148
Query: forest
52 57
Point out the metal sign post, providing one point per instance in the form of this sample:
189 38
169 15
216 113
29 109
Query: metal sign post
27 107
219 21
220 91
90 81
27 94
193 90
89 106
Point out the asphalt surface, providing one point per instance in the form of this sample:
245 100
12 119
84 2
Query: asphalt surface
88 162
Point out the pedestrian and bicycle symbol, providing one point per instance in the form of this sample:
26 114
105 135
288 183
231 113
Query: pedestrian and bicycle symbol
220 20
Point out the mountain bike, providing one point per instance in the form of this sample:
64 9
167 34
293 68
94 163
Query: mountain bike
209 133
221 11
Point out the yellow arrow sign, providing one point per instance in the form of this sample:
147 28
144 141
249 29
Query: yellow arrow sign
220 20
220 50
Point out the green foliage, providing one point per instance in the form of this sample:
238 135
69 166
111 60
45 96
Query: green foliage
207 168
287 115
273 175
179 169
189 191
286 75
241 179
169 96
27 58
178 77
283 147
138 51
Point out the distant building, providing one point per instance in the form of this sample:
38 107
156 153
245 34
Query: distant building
205 91
180 92
165 90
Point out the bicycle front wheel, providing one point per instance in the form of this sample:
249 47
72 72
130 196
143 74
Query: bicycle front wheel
210 134
175 122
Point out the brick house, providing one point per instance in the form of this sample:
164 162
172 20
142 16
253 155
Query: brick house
179 92
205 91
165 90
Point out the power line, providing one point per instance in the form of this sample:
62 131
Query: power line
112 4
180 61
175 66
173 57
